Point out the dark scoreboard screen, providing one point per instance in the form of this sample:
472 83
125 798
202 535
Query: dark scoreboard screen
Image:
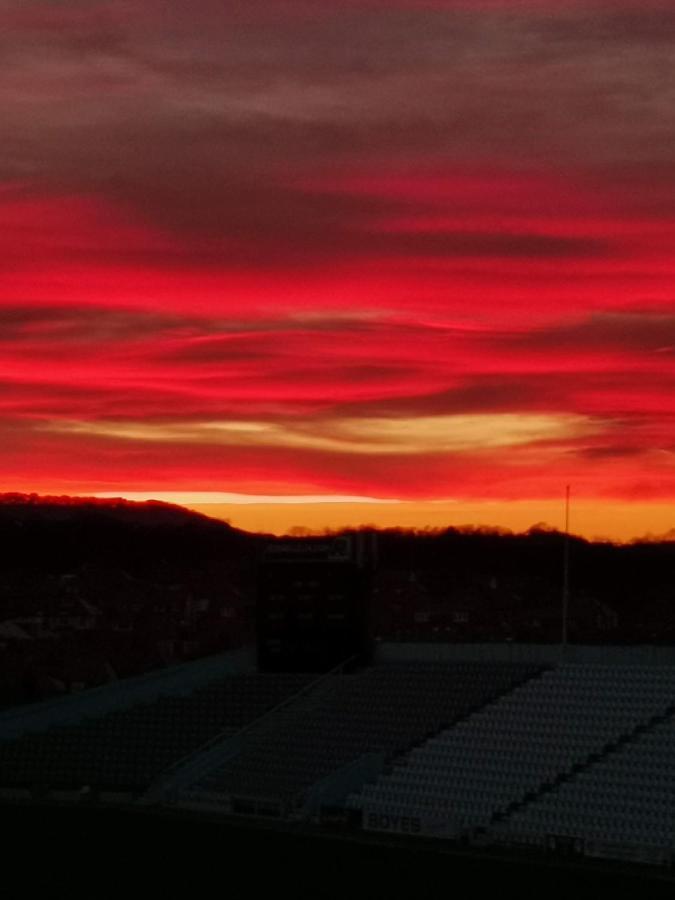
312 605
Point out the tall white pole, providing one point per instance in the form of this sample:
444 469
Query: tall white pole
566 568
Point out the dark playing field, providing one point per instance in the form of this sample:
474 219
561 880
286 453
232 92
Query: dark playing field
95 851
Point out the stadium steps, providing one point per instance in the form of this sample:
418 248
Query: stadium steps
501 816
257 735
182 778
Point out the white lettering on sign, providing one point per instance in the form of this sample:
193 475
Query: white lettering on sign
391 822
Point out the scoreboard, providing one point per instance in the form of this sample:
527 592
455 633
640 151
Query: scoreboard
312 605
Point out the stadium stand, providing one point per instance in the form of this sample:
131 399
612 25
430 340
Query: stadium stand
572 758
385 709
519 747
626 797
128 748
95 702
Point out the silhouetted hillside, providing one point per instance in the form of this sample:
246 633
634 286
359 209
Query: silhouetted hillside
55 533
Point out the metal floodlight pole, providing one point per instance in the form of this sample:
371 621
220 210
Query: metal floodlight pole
566 569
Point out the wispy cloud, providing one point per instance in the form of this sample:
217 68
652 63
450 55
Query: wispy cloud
367 436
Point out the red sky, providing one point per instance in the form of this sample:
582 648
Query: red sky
410 251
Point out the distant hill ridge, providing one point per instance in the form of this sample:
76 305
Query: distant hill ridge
112 503
63 532
147 512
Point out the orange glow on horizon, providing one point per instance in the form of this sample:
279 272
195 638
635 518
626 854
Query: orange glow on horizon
615 521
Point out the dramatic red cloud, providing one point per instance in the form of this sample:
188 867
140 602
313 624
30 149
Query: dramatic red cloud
408 251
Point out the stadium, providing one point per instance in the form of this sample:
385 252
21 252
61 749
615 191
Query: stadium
401 759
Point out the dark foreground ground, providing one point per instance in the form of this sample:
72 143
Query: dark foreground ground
93 852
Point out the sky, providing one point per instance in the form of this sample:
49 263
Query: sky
315 263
